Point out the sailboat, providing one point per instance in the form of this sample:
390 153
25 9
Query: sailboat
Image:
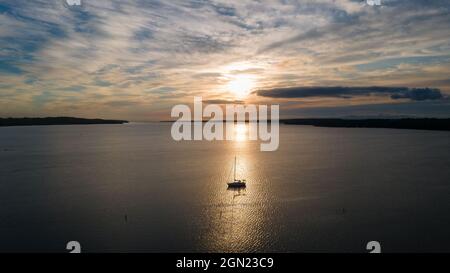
236 183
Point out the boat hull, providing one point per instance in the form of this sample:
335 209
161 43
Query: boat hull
236 185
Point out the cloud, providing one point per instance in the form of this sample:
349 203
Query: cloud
415 94
105 51
121 103
221 101
9 68
419 94
74 88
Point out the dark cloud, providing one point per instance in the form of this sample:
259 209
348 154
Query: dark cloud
224 10
415 94
418 109
419 94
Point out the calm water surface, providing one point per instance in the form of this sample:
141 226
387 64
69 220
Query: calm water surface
132 188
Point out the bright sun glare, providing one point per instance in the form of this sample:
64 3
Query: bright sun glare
240 132
241 86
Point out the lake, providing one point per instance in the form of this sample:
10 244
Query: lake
131 188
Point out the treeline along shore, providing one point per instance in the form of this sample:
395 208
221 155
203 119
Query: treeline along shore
56 121
404 123
438 124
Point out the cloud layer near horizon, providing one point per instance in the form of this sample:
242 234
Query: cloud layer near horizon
136 59
414 94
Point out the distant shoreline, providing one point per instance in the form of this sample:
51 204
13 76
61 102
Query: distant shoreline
435 124
6 122
403 123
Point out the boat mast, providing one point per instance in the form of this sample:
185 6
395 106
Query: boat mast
234 168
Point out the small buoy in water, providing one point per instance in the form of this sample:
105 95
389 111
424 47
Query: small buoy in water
126 218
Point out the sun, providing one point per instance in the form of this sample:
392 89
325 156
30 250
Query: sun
241 86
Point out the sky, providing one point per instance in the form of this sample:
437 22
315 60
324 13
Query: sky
135 60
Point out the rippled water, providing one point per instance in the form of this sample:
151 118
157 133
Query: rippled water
132 188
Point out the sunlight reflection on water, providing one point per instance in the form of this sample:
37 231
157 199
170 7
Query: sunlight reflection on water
234 218
66 183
